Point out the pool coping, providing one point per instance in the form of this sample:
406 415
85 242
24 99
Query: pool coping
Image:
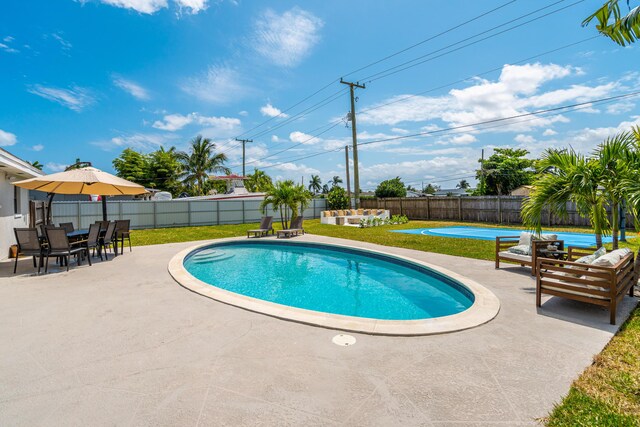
484 308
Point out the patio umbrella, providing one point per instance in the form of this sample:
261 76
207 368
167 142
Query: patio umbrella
86 180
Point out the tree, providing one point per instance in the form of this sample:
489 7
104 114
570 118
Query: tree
410 188
391 188
566 176
463 184
258 181
335 181
315 184
506 170
337 198
431 189
325 189
132 166
621 29
37 165
200 162
163 170
287 198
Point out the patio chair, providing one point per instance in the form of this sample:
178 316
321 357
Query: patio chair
93 240
28 245
103 225
68 227
266 225
59 246
122 232
107 240
295 228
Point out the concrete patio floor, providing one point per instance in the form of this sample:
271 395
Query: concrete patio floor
121 343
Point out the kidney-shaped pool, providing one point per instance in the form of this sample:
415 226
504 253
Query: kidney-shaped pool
334 286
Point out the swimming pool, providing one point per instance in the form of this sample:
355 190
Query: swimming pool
334 286
488 233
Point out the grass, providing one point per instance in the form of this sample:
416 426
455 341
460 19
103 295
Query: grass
606 394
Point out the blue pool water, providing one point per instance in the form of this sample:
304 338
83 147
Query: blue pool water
330 279
486 233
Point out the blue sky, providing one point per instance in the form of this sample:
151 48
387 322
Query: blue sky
89 78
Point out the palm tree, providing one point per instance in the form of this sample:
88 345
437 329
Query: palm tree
201 161
258 181
315 184
336 180
566 176
615 156
286 197
463 184
325 189
622 29
37 165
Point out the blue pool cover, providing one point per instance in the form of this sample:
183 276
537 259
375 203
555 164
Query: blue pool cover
487 233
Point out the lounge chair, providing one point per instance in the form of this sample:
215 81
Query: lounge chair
524 249
60 247
295 228
28 245
266 225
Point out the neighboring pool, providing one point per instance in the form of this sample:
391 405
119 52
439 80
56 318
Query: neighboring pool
334 286
487 233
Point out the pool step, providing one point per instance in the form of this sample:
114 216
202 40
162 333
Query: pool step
210 255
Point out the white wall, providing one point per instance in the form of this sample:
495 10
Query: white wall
7 218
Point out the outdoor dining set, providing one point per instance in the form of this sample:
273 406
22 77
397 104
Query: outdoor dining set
64 241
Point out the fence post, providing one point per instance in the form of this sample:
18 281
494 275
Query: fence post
120 210
189 212
499 210
460 208
243 216
401 206
428 209
155 213
79 216
217 212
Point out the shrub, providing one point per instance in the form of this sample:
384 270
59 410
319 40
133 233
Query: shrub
374 221
337 198
391 188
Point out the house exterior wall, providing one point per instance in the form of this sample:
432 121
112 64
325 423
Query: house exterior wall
8 219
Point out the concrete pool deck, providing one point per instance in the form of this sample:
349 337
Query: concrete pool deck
121 343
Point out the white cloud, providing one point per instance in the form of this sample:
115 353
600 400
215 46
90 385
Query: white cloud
55 167
286 39
142 6
549 132
75 98
8 39
132 88
524 139
138 141
515 92
463 139
7 48
620 107
7 139
303 138
66 45
192 6
218 85
271 111
274 138
38 147
217 126
243 113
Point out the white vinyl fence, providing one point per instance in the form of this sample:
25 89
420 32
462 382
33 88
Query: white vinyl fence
172 213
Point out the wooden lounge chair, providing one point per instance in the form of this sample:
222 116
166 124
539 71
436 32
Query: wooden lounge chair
503 243
295 228
604 285
29 244
266 225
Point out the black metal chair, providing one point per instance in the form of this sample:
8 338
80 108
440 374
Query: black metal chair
59 246
28 245
122 232
68 227
103 225
93 240
107 240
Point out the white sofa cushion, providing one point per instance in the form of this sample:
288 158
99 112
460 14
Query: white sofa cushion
522 249
515 257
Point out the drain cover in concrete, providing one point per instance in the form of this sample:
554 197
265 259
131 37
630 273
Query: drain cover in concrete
344 340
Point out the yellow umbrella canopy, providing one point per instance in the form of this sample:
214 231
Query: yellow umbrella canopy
87 180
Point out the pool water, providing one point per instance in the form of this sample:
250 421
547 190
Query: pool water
486 233
330 279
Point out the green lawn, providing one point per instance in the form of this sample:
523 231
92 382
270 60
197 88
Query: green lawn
606 394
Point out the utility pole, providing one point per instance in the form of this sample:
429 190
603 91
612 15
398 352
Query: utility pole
244 141
482 172
346 159
354 134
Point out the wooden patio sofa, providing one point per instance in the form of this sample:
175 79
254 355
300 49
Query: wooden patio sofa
503 243
595 284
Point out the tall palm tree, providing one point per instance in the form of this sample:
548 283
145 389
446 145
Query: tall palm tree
621 29
200 162
615 156
286 197
336 180
258 181
315 184
463 184
566 176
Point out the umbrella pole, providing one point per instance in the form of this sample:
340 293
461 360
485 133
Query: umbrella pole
49 216
104 207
